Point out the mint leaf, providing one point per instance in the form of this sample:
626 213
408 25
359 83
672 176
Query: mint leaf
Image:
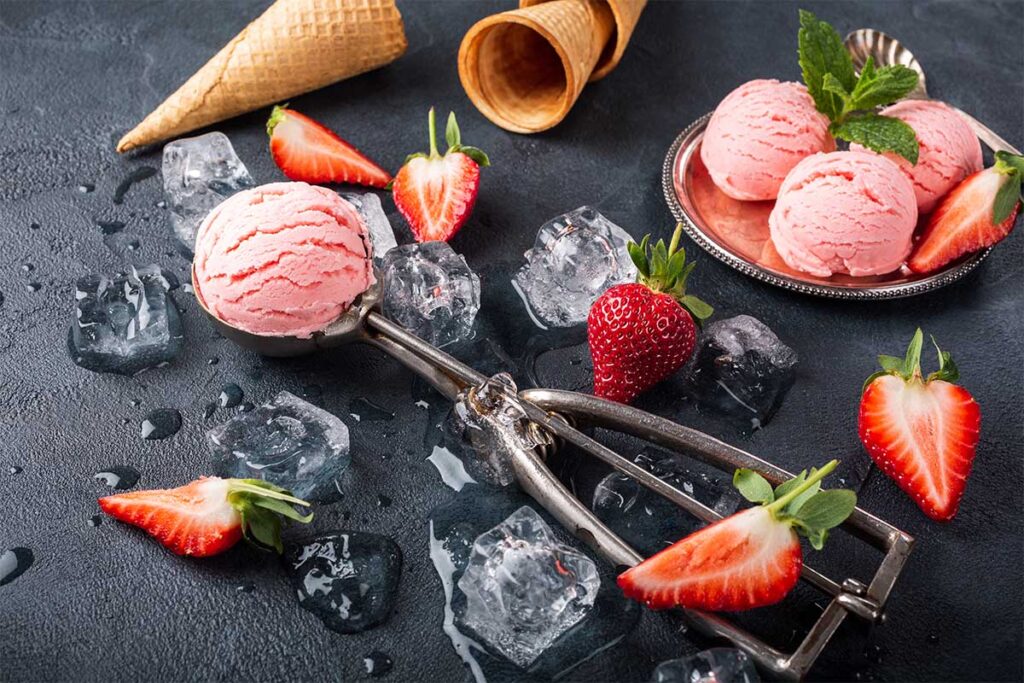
821 52
753 486
878 133
831 84
1006 198
888 84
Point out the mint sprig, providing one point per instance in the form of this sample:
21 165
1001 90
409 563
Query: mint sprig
849 101
800 501
1011 165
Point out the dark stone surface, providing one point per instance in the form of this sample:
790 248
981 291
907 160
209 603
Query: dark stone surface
106 603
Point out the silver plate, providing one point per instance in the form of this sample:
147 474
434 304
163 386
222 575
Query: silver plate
736 233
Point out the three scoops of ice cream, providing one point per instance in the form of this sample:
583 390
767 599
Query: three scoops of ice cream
852 212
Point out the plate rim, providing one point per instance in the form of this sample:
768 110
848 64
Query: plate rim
686 140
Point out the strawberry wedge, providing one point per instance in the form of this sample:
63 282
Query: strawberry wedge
750 559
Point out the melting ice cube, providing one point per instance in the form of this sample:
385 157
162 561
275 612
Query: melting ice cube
199 173
124 323
717 665
430 291
741 369
647 521
287 442
349 580
491 419
524 589
382 235
575 258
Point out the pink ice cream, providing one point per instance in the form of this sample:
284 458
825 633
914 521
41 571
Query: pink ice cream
949 150
284 259
759 132
844 212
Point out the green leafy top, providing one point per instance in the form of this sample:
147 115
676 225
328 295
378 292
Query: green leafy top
454 139
1011 165
261 506
664 269
909 367
849 100
800 501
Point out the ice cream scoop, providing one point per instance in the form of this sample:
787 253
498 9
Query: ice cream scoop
758 133
949 149
844 212
284 259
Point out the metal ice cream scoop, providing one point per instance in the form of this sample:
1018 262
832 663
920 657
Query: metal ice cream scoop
887 51
553 416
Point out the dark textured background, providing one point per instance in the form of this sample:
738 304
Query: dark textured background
106 602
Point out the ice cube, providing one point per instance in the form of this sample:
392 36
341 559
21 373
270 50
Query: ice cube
741 369
649 522
524 589
575 258
199 173
490 418
717 665
124 323
349 579
382 235
430 291
287 442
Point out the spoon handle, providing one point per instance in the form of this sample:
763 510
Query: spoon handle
987 135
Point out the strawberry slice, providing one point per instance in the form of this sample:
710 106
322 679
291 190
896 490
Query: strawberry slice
750 559
976 214
436 192
922 432
209 515
305 150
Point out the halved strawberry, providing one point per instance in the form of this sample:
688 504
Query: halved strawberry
976 214
209 515
750 559
305 150
435 192
922 432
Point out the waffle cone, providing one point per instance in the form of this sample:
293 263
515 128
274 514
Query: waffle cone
294 47
525 68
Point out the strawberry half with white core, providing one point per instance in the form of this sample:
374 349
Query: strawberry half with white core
641 333
976 214
209 515
750 559
307 151
921 431
436 192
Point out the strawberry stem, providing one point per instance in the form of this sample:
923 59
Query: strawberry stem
811 481
432 126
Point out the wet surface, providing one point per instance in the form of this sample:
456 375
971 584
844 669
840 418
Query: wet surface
956 614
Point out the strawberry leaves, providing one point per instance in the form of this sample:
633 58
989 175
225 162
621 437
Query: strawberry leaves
664 269
261 506
909 367
849 100
454 139
800 501
1012 166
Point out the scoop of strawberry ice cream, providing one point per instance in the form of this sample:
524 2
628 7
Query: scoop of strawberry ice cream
949 149
759 132
284 259
844 212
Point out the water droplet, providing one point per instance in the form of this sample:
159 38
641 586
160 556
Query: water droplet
161 204
423 404
135 176
95 520
34 226
209 410
160 424
383 501
362 409
230 396
14 469
246 407
933 638
313 393
135 403
14 563
33 287
110 227
213 360
245 588
377 664
86 188
27 267
453 471
187 288
118 477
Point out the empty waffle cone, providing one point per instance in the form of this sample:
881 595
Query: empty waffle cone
294 47
525 68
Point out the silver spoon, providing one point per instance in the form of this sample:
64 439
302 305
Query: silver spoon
886 50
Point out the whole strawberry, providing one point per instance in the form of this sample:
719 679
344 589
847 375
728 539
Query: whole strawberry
921 431
641 333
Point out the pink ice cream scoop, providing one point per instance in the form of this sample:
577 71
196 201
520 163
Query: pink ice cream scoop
759 132
949 150
844 212
284 259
